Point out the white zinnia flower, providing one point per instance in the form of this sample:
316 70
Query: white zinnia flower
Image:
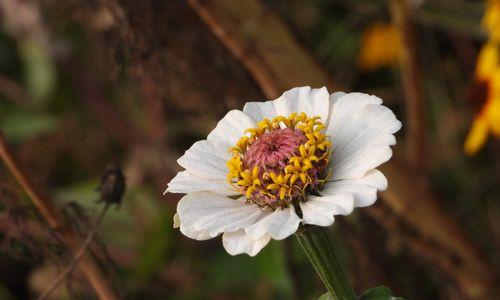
304 157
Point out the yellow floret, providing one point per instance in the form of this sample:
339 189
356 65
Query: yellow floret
294 178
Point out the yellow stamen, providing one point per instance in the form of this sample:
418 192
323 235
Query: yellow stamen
258 182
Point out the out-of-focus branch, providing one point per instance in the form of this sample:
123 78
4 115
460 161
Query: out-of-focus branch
78 256
412 84
42 203
56 221
11 90
241 23
261 42
417 245
448 245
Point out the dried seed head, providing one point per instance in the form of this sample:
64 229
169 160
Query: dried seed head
112 185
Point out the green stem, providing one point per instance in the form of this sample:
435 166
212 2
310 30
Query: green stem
317 242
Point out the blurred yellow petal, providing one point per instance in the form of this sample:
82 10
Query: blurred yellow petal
488 60
491 19
492 112
477 135
380 47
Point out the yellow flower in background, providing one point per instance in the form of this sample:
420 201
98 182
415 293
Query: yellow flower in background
491 19
487 85
380 47
487 92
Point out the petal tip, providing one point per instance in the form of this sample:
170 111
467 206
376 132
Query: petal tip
177 221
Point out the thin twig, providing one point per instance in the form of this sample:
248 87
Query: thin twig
42 203
56 221
412 84
79 255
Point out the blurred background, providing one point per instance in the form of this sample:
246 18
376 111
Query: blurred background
86 83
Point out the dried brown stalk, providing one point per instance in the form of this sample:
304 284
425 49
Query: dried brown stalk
447 244
412 84
78 256
265 56
55 220
278 62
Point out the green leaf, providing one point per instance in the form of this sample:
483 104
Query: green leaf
20 126
326 296
40 73
240 273
378 293
157 245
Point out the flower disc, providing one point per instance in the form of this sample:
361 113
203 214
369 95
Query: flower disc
280 160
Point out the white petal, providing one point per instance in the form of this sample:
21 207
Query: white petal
189 231
259 111
177 221
231 128
361 131
336 96
279 224
321 210
206 159
364 189
313 102
186 182
239 242
332 99
205 215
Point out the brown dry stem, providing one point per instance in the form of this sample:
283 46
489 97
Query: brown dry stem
412 84
78 256
262 43
55 220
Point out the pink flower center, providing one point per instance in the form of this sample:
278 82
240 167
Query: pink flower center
273 149
280 161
